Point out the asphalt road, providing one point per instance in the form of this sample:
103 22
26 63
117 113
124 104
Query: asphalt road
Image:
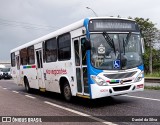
14 101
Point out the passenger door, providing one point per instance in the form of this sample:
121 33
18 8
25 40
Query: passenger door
81 66
18 70
40 76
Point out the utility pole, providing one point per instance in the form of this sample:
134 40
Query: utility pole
150 57
92 11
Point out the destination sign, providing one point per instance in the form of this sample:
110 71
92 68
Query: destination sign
113 25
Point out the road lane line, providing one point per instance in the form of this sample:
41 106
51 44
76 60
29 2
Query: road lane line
80 113
15 91
29 96
5 88
142 98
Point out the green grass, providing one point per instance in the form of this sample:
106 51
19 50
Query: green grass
152 87
154 74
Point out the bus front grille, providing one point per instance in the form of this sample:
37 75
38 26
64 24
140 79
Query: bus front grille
116 89
120 75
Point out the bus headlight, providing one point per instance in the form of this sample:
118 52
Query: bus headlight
99 80
140 76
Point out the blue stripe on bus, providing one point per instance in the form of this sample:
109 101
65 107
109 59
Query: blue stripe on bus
91 71
88 73
141 67
86 21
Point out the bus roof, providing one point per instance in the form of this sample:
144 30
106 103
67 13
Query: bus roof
66 29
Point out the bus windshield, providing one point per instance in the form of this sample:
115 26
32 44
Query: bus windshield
115 50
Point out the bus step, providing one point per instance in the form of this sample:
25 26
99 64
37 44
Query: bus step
42 89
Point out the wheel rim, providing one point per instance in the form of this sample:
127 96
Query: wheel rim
67 92
27 87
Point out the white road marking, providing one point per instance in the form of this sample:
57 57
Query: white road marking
29 96
142 98
4 88
15 91
80 113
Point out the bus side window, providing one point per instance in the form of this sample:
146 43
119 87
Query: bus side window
44 52
64 47
51 50
13 60
24 56
76 48
31 56
18 64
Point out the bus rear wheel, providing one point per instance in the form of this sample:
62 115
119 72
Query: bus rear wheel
27 87
67 92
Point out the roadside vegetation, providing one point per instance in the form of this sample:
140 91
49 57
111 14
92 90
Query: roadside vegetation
154 74
151 57
152 87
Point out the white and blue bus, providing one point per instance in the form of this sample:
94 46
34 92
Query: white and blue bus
92 58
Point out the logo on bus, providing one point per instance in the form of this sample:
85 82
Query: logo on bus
121 82
101 49
56 72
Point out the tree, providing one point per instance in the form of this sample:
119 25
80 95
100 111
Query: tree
150 34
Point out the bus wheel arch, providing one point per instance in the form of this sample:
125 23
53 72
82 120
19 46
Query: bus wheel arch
65 88
26 83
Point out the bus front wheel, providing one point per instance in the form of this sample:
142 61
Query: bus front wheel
67 92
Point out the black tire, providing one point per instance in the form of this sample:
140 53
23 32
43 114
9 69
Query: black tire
67 92
27 87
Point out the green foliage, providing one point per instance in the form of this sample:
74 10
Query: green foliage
152 87
154 74
150 34
148 30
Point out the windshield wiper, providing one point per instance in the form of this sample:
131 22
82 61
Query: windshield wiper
125 42
109 41
127 38
124 46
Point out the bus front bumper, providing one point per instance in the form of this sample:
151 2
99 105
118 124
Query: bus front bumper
104 91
